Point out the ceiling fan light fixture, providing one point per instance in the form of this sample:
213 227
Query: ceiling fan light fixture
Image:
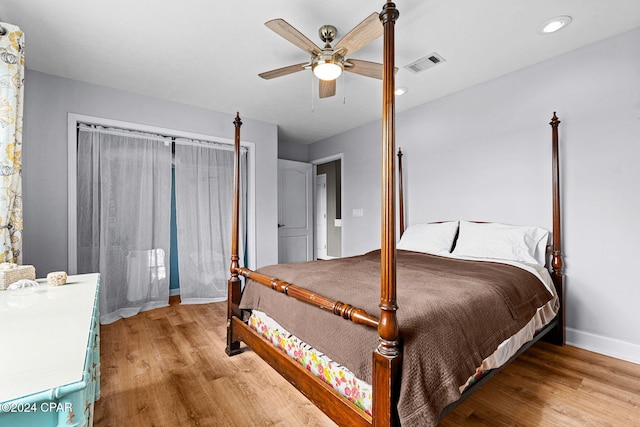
327 66
327 70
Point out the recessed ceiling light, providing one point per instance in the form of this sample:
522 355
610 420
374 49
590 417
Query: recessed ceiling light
401 91
554 24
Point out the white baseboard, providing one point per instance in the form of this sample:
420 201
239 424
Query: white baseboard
604 345
174 292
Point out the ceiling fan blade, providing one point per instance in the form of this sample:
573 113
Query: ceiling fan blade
327 88
361 35
366 68
286 30
283 71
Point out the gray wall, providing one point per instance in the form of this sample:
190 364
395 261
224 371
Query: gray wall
484 154
291 151
48 100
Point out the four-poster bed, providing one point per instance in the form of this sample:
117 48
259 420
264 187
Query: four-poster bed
386 372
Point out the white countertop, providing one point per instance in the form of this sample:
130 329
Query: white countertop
44 336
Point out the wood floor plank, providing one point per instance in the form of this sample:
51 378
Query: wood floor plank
167 367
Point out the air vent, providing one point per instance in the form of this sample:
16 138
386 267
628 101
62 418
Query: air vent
425 63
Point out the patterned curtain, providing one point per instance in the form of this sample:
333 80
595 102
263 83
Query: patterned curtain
11 102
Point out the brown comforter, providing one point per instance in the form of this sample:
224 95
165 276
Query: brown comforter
452 314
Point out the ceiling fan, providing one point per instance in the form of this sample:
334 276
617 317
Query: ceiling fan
329 62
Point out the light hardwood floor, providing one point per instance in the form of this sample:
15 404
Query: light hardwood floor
167 367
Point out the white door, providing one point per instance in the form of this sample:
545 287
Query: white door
295 211
321 216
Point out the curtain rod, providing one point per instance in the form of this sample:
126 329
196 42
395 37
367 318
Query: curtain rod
155 137
201 142
122 132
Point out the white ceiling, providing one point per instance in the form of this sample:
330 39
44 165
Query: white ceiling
209 53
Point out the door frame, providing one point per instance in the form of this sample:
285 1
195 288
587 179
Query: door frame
72 159
315 163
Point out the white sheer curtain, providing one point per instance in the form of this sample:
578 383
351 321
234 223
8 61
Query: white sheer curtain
204 190
124 212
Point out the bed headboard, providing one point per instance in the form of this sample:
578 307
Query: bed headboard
555 248
556 260
557 264
400 191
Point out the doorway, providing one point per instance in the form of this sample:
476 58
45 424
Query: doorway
329 226
321 216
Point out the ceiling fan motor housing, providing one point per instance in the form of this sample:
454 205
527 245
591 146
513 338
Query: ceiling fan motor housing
327 34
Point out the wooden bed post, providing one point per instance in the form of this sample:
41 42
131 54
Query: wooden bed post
387 356
233 287
401 192
557 336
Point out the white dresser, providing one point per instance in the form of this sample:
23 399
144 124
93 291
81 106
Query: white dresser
50 354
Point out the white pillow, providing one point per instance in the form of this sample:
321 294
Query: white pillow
501 241
432 238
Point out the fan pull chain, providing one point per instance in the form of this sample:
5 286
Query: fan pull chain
312 105
344 90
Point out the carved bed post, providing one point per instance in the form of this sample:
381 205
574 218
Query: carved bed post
233 287
387 356
401 191
557 336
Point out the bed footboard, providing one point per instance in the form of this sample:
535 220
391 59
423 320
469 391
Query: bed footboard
346 311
